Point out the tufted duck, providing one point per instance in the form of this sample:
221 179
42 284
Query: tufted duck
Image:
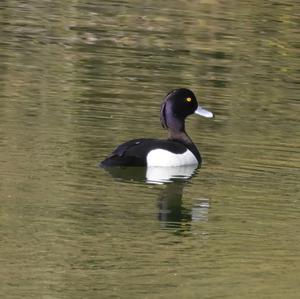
177 150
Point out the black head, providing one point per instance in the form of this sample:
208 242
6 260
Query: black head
177 105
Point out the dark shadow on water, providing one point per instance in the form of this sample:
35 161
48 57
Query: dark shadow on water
127 174
172 213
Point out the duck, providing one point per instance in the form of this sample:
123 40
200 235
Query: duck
177 150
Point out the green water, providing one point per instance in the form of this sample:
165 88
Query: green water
79 77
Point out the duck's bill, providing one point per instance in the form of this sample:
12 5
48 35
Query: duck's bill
203 112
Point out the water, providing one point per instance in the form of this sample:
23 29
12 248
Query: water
78 78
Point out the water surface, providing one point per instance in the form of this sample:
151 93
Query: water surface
78 78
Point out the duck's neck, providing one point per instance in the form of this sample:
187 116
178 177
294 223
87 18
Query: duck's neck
177 132
179 135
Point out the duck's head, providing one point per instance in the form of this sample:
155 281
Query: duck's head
177 105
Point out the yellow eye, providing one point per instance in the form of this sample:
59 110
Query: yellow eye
188 99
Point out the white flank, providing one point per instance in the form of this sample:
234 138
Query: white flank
160 157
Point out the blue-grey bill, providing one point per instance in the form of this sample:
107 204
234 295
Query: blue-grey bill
203 112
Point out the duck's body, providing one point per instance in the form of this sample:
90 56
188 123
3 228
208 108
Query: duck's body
177 150
153 152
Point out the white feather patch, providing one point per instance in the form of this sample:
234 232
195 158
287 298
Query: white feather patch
160 157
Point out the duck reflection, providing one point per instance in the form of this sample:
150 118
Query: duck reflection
153 175
171 211
173 214
161 175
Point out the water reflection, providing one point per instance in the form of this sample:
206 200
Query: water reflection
153 175
160 175
137 174
172 212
